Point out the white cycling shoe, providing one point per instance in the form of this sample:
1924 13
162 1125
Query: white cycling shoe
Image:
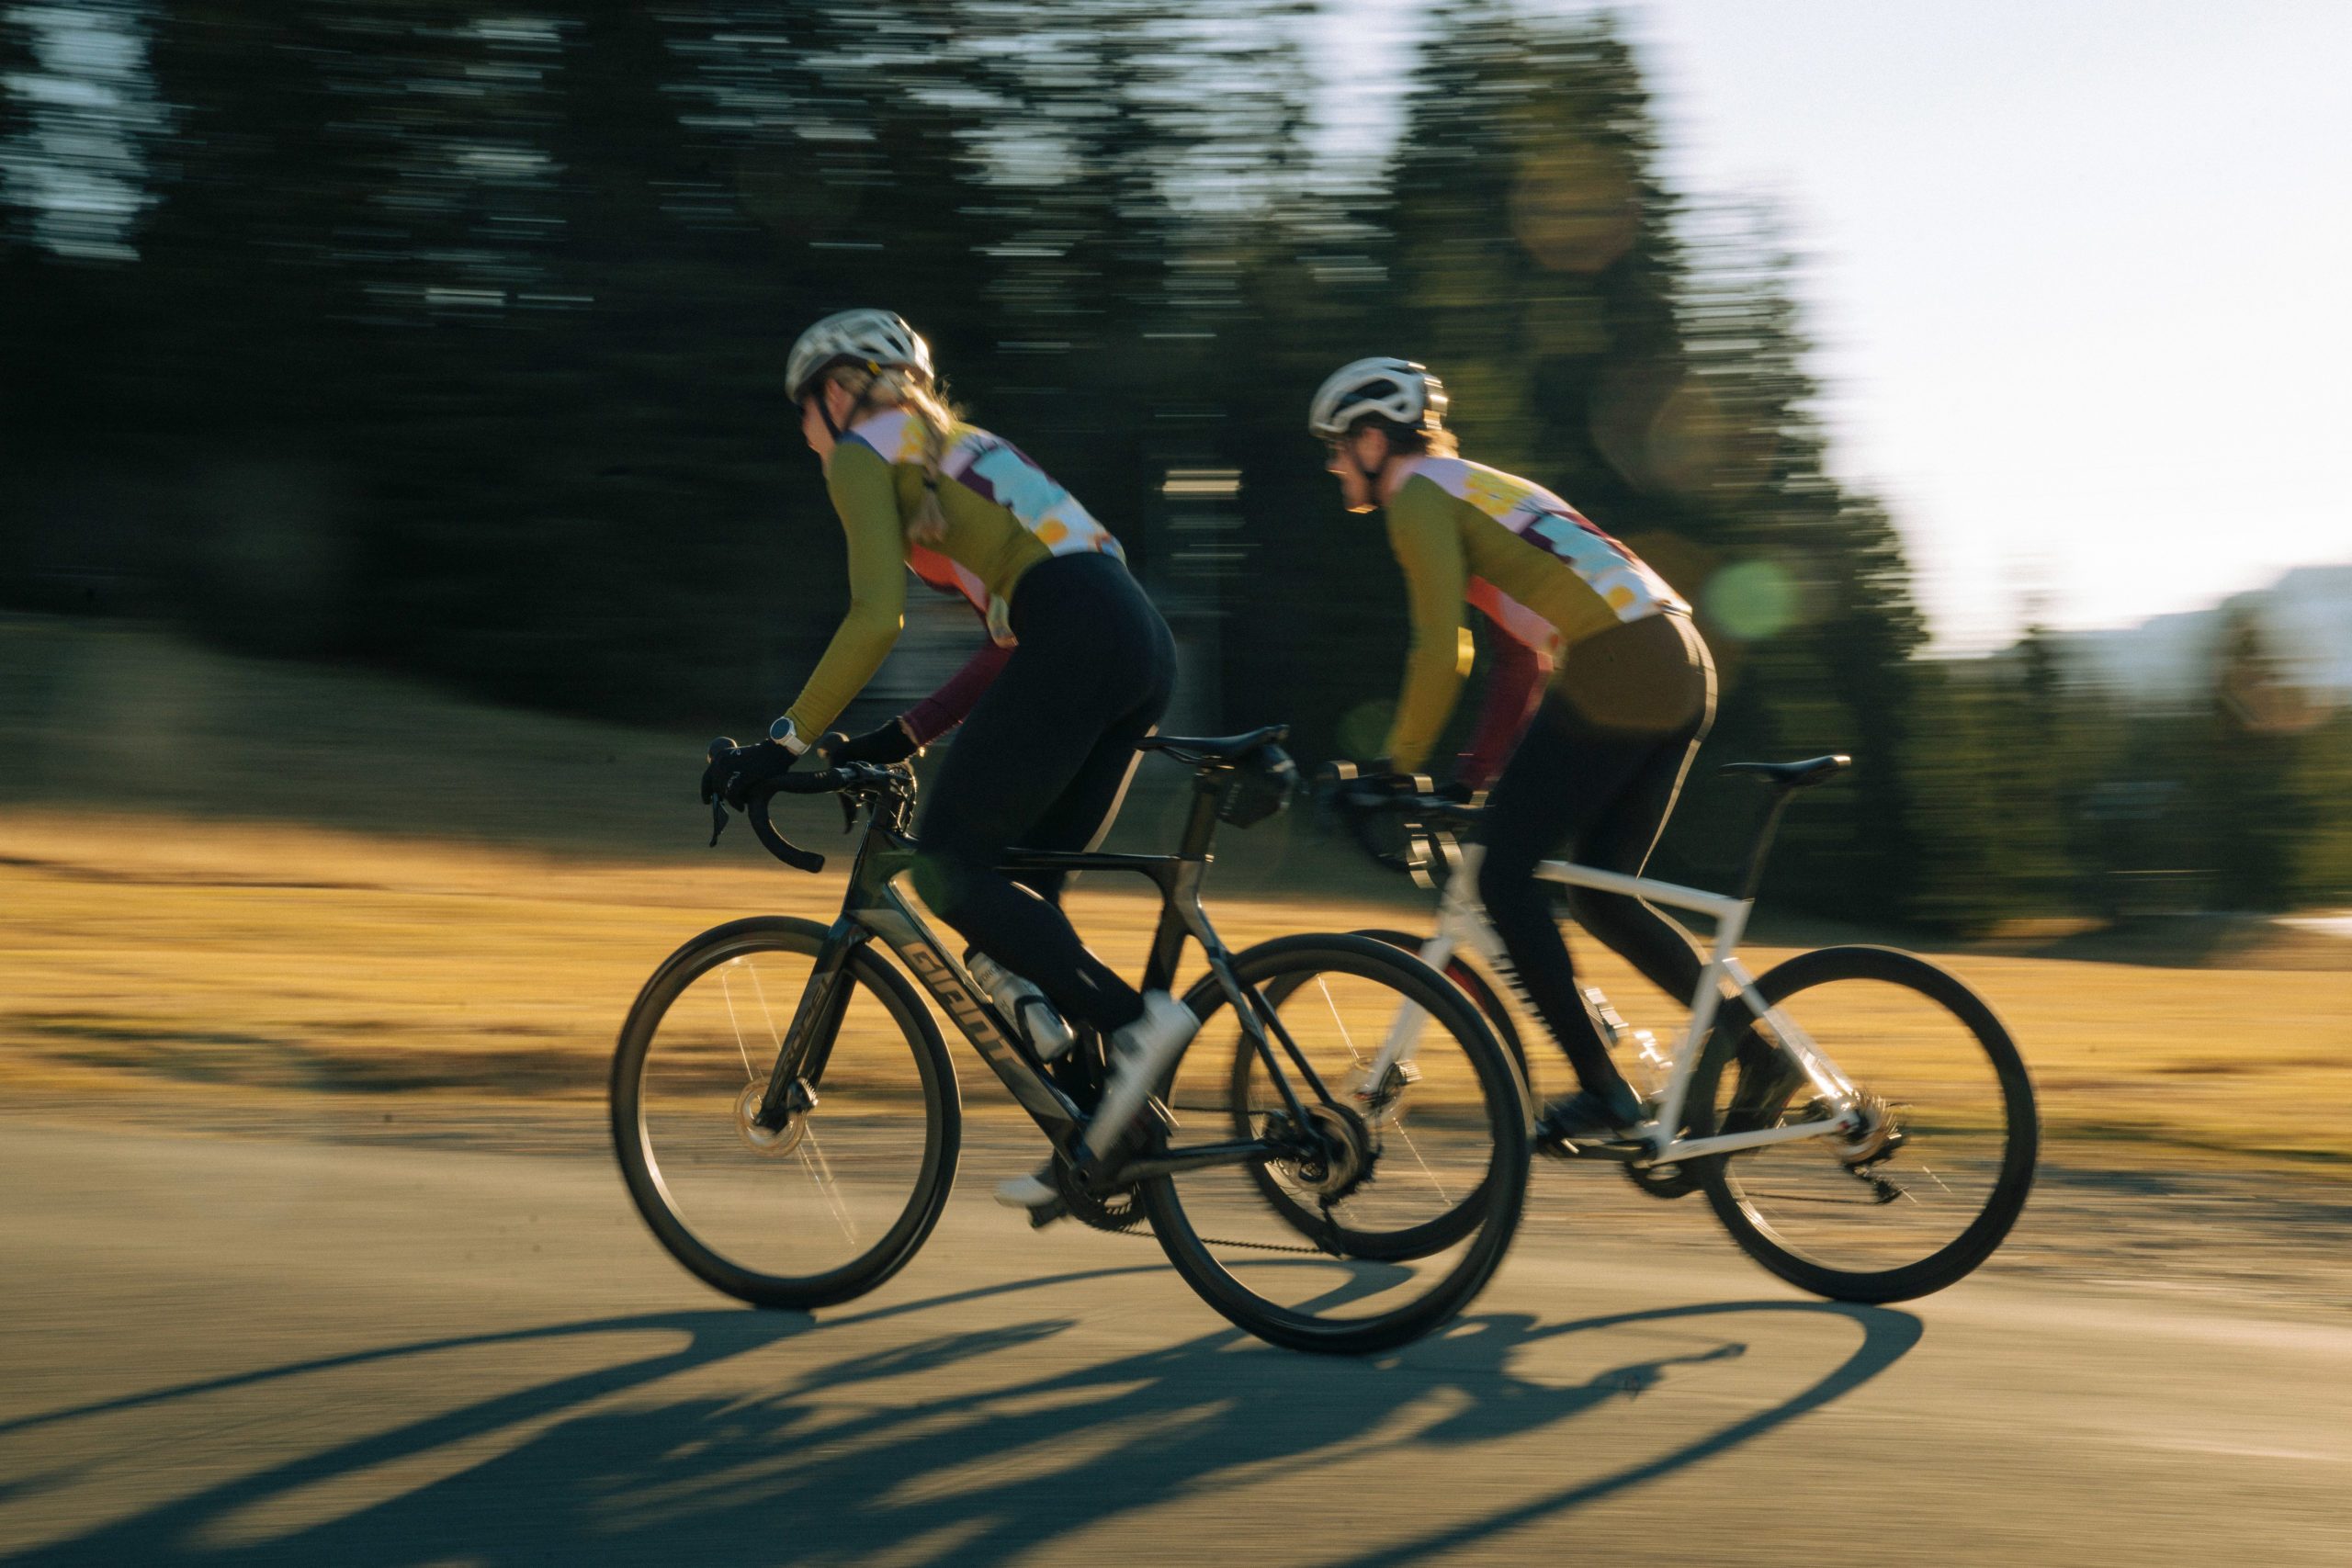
1140 1054
1032 1191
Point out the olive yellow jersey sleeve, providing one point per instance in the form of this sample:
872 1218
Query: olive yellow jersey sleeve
864 492
1426 538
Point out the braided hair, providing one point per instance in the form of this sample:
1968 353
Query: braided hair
897 386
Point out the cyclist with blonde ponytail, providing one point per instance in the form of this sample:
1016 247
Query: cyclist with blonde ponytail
1080 667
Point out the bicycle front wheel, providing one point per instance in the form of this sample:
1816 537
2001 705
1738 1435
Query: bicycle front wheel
1409 1217
1942 1165
839 1199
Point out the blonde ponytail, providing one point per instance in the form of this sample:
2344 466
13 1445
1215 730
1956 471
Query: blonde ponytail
895 386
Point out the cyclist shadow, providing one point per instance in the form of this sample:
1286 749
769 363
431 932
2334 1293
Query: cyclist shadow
832 1463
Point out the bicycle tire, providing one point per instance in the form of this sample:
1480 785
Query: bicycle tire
1743 1214
1474 985
1490 1003
1492 1212
640 1162
1405 1246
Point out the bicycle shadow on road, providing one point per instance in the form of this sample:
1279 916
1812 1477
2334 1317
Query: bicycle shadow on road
840 1460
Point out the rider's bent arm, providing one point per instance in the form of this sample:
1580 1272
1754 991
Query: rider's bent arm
952 704
1421 531
866 495
1514 687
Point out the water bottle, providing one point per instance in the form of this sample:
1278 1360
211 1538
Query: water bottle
1651 1067
1655 1068
1033 1016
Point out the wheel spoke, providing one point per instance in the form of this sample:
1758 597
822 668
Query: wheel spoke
821 1171
803 1214
726 991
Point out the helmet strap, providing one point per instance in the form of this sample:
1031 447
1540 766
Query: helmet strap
825 412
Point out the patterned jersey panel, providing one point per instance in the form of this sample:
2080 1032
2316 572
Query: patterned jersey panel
1004 514
948 575
1523 625
997 471
1630 589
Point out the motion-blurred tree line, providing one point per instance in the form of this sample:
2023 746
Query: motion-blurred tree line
451 340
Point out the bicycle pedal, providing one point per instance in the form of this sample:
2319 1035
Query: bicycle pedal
1047 1213
1616 1150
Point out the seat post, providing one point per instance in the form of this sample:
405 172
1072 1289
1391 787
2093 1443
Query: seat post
1200 827
1755 876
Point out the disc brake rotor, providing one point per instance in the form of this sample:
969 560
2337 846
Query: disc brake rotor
760 1139
1878 1138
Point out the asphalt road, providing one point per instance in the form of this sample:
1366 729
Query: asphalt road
253 1349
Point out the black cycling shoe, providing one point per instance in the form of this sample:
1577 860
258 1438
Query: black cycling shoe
1585 1117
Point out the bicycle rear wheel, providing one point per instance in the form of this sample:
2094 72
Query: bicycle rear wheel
1939 1171
1488 1002
1384 1242
843 1196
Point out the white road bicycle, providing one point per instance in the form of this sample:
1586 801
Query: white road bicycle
1859 1118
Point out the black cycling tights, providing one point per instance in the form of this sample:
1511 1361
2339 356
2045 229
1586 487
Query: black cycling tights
1594 778
1041 763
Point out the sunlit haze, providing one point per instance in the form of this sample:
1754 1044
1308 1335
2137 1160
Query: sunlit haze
2077 272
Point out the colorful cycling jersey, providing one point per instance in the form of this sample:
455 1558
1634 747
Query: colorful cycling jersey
937 572
1535 565
1002 514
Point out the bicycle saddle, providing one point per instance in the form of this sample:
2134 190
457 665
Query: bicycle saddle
1794 775
1215 748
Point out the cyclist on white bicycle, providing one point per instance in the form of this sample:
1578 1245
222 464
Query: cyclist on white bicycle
1628 699
1047 750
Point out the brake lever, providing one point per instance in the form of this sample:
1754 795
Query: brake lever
849 813
716 750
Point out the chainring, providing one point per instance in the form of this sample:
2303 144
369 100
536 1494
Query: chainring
1673 1179
1121 1209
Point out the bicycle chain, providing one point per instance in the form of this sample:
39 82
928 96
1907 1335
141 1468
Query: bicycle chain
1221 1241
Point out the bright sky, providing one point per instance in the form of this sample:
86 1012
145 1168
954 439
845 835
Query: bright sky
2081 271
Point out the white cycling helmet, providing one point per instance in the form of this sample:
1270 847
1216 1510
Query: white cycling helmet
1396 390
874 338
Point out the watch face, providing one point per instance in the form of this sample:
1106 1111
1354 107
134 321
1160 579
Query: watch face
782 734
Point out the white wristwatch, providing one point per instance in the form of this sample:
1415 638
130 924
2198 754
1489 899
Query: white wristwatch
784 735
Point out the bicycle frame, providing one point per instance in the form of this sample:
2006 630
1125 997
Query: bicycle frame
875 909
1462 924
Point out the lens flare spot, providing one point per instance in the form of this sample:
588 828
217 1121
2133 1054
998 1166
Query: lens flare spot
1364 730
1752 599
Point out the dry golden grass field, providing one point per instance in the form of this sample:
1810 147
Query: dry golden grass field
213 960
276 890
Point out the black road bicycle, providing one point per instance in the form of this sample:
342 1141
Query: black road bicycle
788 1122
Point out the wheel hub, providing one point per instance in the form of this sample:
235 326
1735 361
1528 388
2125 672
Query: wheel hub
760 1140
1380 1100
1344 1156
1876 1138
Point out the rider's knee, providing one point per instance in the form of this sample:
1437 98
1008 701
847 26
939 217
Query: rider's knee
944 882
1504 883
1593 910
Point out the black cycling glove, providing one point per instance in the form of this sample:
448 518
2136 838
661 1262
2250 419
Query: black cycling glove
891 743
732 773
